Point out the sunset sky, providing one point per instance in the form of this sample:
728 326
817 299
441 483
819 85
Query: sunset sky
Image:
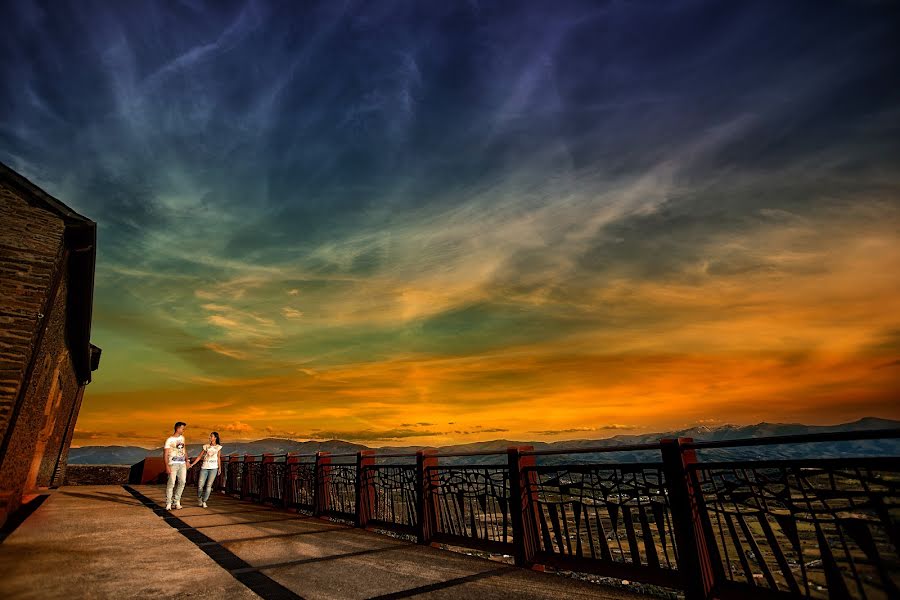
446 222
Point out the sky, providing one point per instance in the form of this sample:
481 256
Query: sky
428 223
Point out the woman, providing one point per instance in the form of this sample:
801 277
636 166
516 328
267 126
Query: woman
212 464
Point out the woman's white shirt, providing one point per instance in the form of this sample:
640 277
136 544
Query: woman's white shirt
211 459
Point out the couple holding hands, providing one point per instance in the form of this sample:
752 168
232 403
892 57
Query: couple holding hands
176 459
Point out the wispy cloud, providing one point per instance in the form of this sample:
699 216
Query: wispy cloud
494 218
229 352
580 430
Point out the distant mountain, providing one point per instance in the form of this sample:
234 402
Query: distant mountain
127 455
278 446
107 455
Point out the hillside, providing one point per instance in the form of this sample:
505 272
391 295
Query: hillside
130 454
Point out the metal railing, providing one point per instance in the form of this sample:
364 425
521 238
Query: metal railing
723 528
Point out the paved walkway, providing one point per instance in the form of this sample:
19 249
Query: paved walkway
105 542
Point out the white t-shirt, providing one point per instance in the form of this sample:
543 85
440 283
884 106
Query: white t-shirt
177 452
211 460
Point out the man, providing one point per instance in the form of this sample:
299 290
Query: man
175 457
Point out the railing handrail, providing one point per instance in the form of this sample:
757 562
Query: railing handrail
797 438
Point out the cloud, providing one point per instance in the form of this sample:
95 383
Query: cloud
506 226
229 352
369 435
86 437
609 427
238 427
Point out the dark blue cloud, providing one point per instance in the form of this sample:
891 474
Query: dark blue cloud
326 135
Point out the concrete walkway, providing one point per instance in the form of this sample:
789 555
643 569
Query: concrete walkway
110 543
100 542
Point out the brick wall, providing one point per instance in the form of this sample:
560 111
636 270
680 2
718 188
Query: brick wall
48 418
97 475
31 247
33 305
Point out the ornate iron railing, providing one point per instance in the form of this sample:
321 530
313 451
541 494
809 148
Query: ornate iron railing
473 506
253 473
391 493
272 487
340 490
300 491
234 482
811 528
609 519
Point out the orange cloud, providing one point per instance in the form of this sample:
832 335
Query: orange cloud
524 396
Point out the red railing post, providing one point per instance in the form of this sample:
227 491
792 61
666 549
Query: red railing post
695 564
426 496
365 487
323 483
523 505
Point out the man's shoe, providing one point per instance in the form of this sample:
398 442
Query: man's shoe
178 506
199 502
168 507
204 505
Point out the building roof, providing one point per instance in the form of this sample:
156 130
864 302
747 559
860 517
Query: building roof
81 241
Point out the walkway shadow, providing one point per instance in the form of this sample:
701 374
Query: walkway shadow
102 496
441 585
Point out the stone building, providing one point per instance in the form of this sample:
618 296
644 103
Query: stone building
47 254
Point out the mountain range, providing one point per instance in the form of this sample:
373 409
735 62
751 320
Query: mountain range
127 455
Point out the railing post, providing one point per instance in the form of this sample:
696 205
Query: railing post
323 483
365 487
523 504
426 496
695 564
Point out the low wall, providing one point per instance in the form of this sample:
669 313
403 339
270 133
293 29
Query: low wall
97 474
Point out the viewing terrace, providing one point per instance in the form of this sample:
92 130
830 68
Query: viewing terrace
699 519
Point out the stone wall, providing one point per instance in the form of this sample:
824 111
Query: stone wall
97 474
31 248
39 388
